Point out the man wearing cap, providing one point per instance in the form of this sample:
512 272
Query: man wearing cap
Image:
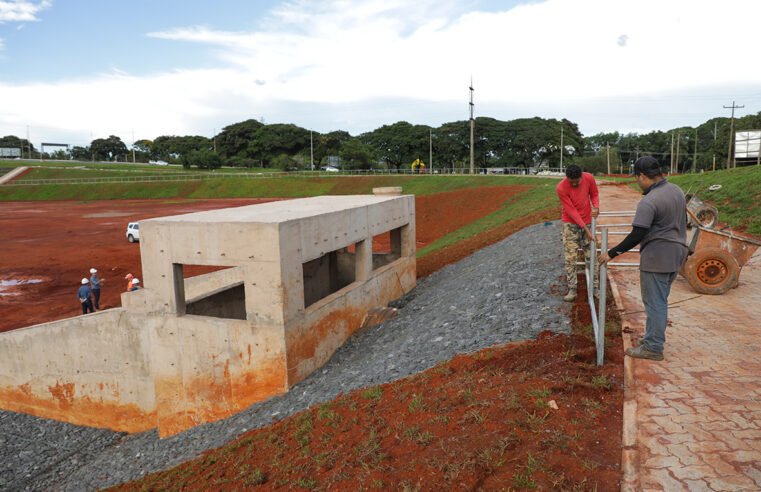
83 294
660 228
95 282
581 201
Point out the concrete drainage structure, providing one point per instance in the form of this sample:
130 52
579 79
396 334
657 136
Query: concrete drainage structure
293 280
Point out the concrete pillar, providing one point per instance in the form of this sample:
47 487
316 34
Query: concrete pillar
363 260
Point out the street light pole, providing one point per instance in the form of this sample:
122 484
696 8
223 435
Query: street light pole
561 147
472 129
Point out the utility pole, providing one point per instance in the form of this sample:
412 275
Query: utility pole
561 147
133 146
430 150
311 150
694 152
731 132
676 163
607 147
671 167
715 127
472 129
214 139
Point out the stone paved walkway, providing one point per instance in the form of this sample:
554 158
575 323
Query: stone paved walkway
693 421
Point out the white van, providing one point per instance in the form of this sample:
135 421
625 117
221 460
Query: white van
133 232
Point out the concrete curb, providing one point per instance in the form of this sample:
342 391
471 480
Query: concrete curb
629 450
11 175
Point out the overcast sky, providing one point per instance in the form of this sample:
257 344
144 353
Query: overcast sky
75 70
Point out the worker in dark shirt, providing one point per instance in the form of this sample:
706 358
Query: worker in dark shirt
84 295
660 228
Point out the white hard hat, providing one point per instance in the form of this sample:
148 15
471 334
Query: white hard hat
92 270
135 280
85 281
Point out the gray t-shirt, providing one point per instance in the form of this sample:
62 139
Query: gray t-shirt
662 210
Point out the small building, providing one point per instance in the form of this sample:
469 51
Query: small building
282 285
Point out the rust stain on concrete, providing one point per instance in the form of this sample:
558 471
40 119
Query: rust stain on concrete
331 330
77 410
208 399
64 393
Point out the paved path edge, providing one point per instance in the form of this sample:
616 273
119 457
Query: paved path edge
629 450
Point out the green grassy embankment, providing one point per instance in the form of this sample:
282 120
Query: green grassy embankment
262 187
738 200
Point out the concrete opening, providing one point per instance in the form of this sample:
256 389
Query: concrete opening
387 247
329 273
227 298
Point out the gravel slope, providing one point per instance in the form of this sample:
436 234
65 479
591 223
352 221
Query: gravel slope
498 294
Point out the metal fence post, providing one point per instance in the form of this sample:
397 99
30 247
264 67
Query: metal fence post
603 292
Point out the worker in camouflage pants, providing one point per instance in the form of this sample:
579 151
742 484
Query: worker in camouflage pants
580 199
575 237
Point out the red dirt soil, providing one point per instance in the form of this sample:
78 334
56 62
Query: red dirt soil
56 243
483 421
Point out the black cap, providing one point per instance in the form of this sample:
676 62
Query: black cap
649 166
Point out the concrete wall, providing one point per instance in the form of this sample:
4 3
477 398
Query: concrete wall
157 363
90 370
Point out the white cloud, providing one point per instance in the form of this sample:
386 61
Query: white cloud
413 60
22 10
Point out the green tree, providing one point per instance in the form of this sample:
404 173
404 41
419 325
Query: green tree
234 140
173 148
143 150
285 162
202 159
109 149
356 155
329 144
399 144
451 144
271 141
79 153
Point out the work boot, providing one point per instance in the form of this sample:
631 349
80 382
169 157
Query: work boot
643 352
571 296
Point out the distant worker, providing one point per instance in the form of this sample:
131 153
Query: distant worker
83 294
135 284
128 278
660 228
95 282
580 199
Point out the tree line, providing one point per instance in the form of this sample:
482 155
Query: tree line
524 142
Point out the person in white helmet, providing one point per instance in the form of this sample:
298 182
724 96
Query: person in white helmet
135 284
95 283
83 294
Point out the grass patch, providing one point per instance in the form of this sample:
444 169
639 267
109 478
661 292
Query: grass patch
373 393
738 200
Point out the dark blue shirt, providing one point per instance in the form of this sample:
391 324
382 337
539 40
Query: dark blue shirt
95 282
84 292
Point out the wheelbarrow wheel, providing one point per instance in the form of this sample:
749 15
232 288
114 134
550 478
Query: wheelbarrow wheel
711 271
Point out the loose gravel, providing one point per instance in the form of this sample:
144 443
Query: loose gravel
499 294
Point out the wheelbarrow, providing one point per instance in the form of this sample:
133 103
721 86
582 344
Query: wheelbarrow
718 257
701 214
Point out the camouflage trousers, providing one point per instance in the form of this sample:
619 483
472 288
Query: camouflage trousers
574 238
